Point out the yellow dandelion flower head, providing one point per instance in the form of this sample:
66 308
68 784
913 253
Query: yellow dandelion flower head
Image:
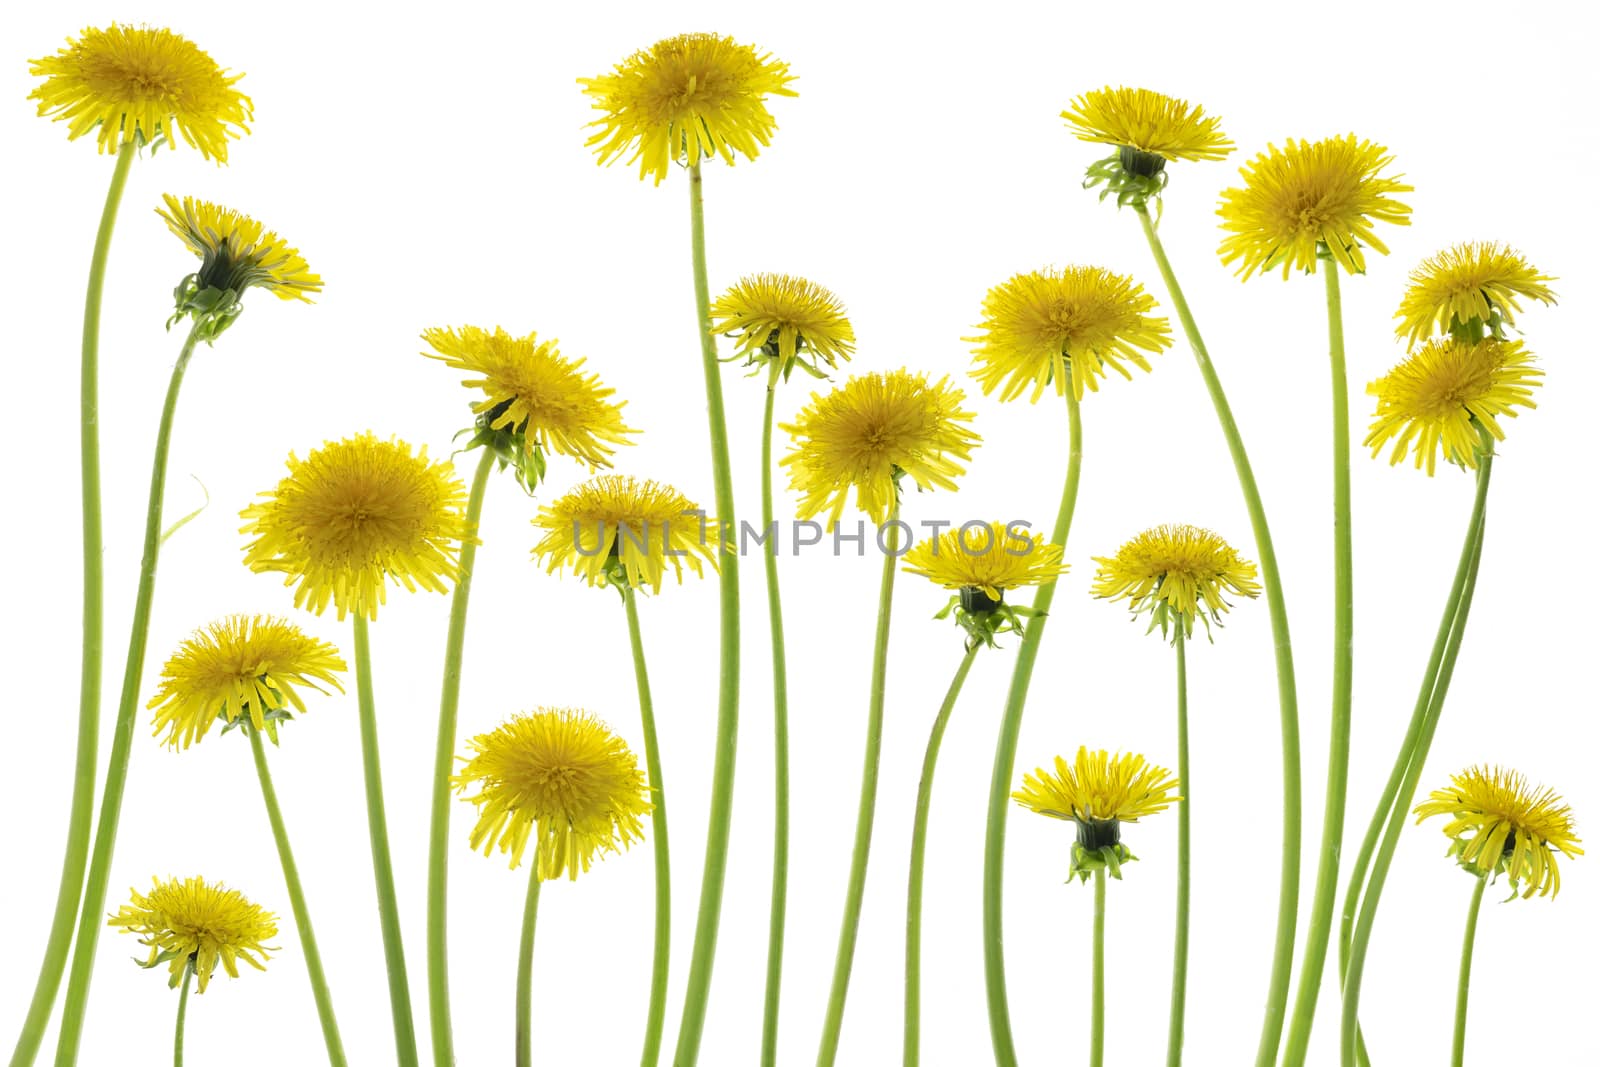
1099 792
1498 822
1055 325
241 666
1474 280
140 85
618 528
1307 197
1446 395
354 513
990 557
685 98
190 921
1177 573
560 776
868 433
780 316
1149 122
534 393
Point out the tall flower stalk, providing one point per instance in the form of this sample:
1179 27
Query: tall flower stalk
780 322
236 254
114 102
1060 329
981 570
535 402
680 101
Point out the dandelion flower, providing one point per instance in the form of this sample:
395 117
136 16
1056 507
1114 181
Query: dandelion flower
1473 280
1497 822
781 316
869 432
1441 394
990 557
1099 792
535 393
684 98
235 254
241 666
354 513
614 527
1055 325
560 776
1307 196
139 85
1147 122
191 920
1176 573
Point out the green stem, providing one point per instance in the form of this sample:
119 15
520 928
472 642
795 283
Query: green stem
1472 550
394 953
704 951
297 903
1180 936
444 754
183 1015
1005 759
657 1012
90 917
780 745
81 816
919 850
866 808
530 916
1320 926
1283 655
1458 1044
1097 1008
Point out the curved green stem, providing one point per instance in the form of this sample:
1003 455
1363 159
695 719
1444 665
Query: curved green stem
1320 924
297 903
866 808
81 816
1180 936
919 851
1458 1044
704 951
1097 1007
1005 759
780 745
657 1013
394 953
444 754
1283 655
1349 1032
90 917
183 1015
530 916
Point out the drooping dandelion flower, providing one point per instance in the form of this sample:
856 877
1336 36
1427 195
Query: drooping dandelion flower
784 317
561 778
1307 196
1497 821
1436 399
1149 122
685 98
137 85
1472 280
1176 573
870 431
191 920
1052 326
355 514
991 558
1099 792
636 524
240 666
531 391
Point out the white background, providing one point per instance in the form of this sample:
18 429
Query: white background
431 166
